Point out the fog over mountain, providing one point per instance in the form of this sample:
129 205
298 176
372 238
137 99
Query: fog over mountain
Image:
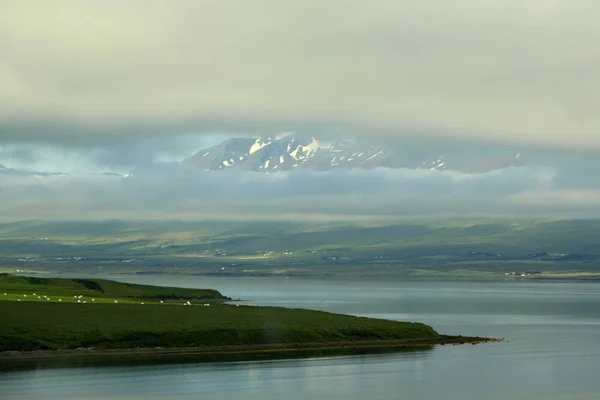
301 108
232 177
289 152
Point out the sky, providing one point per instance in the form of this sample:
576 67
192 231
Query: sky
105 86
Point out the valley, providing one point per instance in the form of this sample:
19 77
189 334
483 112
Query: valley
515 249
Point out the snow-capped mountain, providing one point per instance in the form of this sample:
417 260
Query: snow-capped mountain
286 153
290 152
294 152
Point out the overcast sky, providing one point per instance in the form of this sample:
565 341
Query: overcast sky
104 86
509 71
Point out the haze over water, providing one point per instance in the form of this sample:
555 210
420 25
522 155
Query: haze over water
552 332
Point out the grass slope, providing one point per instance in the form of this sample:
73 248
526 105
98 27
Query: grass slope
34 316
50 325
16 287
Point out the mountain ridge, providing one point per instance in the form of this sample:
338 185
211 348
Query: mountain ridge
291 152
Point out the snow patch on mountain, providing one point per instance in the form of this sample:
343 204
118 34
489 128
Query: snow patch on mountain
258 144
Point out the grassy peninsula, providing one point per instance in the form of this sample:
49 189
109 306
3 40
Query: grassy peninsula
24 288
138 318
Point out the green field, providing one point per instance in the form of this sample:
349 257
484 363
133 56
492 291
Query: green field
488 248
32 323
38 325
21 288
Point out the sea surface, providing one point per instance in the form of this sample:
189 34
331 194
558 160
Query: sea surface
551 349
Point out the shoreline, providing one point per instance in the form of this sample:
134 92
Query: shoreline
491 276
242 349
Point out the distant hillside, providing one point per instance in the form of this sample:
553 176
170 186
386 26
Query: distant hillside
293 248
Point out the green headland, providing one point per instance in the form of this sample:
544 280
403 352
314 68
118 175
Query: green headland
57 315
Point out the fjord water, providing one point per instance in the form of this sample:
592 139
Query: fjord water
552 347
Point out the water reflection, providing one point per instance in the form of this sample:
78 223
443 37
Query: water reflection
551 353
148 359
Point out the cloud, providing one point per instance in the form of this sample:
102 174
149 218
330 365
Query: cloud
523 72
117 157
176 191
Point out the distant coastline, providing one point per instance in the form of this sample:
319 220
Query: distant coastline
478 249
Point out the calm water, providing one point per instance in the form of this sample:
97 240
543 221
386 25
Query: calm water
552 349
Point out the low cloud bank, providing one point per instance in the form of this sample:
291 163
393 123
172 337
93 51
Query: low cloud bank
175 191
